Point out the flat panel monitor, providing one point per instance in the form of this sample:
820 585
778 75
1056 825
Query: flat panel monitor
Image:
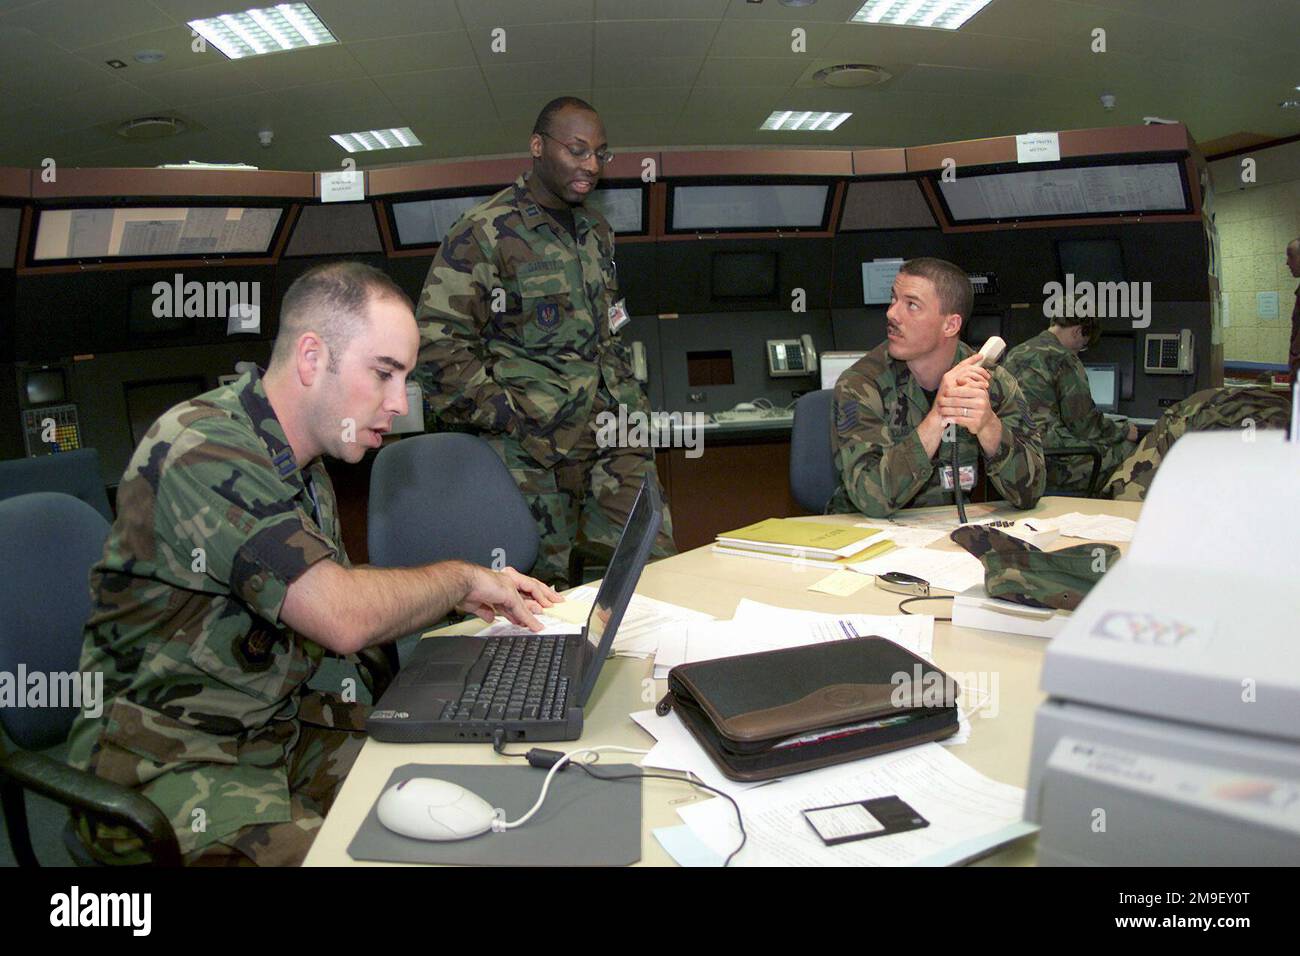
1103 382
45 385
751 207
622 206
743 275
143 322
1065 192
1091 260
426 222
146 401
154 232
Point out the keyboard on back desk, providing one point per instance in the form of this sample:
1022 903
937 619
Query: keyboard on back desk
522 681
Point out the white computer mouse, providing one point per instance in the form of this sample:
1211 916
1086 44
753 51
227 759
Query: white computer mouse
429 809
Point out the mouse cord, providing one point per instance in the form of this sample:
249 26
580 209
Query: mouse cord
499 747
902 605
499 825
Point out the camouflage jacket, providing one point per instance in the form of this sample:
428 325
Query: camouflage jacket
201 680
514 320
1055 386
1212 408
881 462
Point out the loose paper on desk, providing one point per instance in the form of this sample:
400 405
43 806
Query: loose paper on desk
1093 527
948 570
676 749
969 814
841 583
644 624
911 537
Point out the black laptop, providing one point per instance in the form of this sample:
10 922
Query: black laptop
528 687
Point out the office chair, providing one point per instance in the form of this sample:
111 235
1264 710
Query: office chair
444 496
74 473
813 477
48 542
1094 479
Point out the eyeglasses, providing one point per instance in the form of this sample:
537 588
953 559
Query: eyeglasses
582 153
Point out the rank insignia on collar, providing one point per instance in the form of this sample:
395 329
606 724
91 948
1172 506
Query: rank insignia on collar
548 315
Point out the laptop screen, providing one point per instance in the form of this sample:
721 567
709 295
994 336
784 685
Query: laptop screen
620 580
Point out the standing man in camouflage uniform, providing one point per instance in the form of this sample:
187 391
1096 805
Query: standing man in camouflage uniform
893 407
519 340
1055 386
1212 408
224 580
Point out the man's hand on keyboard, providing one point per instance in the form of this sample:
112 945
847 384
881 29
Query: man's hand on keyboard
507 592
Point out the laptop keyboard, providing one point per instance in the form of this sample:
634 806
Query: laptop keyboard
522 681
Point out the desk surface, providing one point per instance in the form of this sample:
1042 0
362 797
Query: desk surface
999 745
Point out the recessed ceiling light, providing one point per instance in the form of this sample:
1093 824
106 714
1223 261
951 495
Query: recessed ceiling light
286 26
937 14
116 64
805 120
1290 104
377 139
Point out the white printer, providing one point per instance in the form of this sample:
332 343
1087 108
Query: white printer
1171 732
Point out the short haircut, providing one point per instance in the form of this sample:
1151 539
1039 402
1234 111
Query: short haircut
544 118
1294 242
332 300
1091 326
951 284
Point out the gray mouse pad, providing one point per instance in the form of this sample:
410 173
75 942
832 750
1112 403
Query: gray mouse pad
584 822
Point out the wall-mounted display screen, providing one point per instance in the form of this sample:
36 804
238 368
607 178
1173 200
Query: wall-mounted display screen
752 207
1075 191
622 206
154 232
426 222
1092 260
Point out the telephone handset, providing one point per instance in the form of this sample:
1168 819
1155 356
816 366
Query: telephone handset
640 371
791 356
988 356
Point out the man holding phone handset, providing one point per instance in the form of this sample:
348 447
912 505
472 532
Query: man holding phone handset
892 407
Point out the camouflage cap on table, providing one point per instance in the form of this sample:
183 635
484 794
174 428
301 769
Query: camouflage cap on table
1016 571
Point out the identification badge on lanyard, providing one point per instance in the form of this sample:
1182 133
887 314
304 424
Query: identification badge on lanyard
967 477
618 316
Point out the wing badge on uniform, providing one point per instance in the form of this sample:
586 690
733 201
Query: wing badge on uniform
548 315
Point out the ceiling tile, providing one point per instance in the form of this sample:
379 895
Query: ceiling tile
749 71
445 89
654 38
552 43
519 110
640 100
320 64
522 77
351 20
656 71
833 10
215 81
73 24
483 15
767 38
660 10
425 51
175 42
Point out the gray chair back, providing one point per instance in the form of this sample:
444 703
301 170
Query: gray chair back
444 496
74 473
813 478
48 542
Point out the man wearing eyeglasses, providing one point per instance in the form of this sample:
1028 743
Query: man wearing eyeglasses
520 321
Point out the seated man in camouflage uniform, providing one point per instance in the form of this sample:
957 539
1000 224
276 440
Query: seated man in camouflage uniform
1055 386
892 410
224 580
519 341
1245 409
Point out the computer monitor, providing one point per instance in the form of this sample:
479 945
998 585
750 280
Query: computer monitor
44 386
835 364
146 401
1103 382
1091 260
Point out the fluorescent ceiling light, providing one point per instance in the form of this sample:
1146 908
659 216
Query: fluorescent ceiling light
285 26
804 120
938 14
377 139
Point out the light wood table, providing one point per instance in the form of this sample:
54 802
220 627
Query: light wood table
999 744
